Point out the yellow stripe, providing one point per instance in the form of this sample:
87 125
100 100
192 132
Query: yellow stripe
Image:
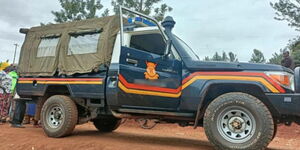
141 92
24 81
257 79
62 82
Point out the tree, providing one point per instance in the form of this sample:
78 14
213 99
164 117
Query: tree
216 57
294 44
225 57
296 57
105 13
77 10
206 58
257 57
144 6
276 58
232 57
288 10
294 47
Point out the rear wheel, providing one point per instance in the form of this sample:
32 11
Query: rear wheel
59 116
238 121
107 124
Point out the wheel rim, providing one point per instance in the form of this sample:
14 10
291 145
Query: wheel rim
236 124
55 116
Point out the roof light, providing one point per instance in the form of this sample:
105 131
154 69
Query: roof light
141 21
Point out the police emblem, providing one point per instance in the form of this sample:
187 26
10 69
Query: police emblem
150 71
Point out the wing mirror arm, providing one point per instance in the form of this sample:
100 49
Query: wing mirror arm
168 49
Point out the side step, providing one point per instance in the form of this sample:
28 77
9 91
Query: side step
153 112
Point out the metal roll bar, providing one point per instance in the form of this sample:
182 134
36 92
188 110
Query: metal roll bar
140 14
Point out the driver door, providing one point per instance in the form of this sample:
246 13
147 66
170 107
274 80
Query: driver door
147 78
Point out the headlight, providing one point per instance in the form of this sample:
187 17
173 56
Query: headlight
285 79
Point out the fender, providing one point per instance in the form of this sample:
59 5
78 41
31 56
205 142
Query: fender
194 92
208 84
47 87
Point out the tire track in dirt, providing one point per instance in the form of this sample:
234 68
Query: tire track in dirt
128 136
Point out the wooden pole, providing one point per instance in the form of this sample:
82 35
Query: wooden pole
16 46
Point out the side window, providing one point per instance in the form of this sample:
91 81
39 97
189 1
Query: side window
83 43
152 43
47 47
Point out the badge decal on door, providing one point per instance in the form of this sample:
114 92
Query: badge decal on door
150 71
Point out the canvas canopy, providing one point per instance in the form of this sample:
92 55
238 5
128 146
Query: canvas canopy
68 48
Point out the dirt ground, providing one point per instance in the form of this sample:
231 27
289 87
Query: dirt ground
128 136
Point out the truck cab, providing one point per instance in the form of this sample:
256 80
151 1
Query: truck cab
151 73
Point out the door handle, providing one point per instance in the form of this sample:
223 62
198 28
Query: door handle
131 61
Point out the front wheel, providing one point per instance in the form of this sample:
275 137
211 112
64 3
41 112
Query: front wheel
59 116
238 121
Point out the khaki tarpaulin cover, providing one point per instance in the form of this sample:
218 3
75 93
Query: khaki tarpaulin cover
31 64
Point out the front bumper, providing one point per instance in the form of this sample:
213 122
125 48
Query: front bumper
286 104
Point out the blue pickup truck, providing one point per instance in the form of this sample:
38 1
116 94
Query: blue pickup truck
103 70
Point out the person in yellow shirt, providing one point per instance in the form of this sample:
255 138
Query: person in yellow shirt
3 65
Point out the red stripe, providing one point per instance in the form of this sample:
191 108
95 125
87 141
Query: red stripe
147 87
275 84
60 79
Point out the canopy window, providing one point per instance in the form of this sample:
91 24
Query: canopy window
69 48
47 47
83 43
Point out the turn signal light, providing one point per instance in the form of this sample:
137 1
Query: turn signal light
285 79
282 79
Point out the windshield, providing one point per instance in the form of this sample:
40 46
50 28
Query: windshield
188 51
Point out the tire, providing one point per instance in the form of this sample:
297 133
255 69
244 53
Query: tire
238 121
59 116
107 124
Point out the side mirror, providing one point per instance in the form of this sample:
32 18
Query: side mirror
168 49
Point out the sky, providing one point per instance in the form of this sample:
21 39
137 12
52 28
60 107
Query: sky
208 26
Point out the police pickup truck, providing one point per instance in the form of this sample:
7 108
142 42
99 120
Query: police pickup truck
103 70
